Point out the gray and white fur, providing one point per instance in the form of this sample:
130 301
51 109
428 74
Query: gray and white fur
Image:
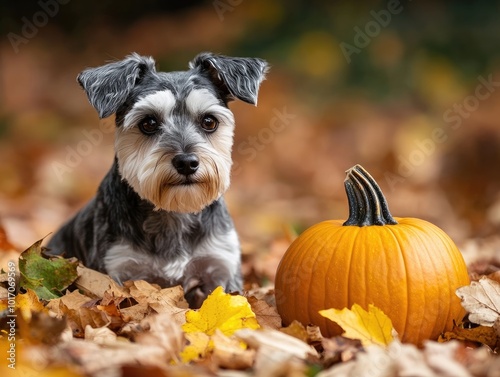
159 214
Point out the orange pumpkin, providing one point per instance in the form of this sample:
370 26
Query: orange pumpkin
407 267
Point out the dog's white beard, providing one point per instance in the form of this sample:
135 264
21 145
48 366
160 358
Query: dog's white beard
188 199
165 192
150 172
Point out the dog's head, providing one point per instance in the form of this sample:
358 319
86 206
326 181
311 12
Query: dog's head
174 130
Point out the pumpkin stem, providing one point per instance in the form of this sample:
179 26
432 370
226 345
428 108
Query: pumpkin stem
367 204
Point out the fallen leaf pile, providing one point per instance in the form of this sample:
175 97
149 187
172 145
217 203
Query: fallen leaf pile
73 321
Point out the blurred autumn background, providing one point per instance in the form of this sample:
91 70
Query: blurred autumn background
407 89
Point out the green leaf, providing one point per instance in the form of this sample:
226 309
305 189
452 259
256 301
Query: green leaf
48 277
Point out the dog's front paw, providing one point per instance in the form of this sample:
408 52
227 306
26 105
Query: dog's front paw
201 276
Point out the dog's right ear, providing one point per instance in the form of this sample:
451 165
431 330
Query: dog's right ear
107 87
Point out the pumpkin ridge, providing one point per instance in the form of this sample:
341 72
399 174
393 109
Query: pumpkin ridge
417 233
451 255
334 251
407 276
311 313
299 266
435 300
448 282
310 239
351 256
440 299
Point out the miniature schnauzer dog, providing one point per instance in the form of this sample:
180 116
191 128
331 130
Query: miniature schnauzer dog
159 214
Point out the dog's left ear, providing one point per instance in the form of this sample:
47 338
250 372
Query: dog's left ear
237 77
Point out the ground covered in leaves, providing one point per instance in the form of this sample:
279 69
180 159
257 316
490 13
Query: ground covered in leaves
68 320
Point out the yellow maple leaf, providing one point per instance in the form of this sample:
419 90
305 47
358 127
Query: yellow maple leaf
220 311
370 327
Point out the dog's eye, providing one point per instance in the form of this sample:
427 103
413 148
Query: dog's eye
148 126
209 123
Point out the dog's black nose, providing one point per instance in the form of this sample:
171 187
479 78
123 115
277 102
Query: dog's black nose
186 163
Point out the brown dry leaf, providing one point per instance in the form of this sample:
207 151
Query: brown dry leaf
314 334
263 293
82 311
143 297
158 340
229 352
106 360
95 284
482 300
167 300
407 360
109 306
278 354
442 358
270 362
402 360
339 349
277 341
496 327
79 310
137 312
481 334
71 300
481 362
267 315
101 335
162 331
494 276
110 298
